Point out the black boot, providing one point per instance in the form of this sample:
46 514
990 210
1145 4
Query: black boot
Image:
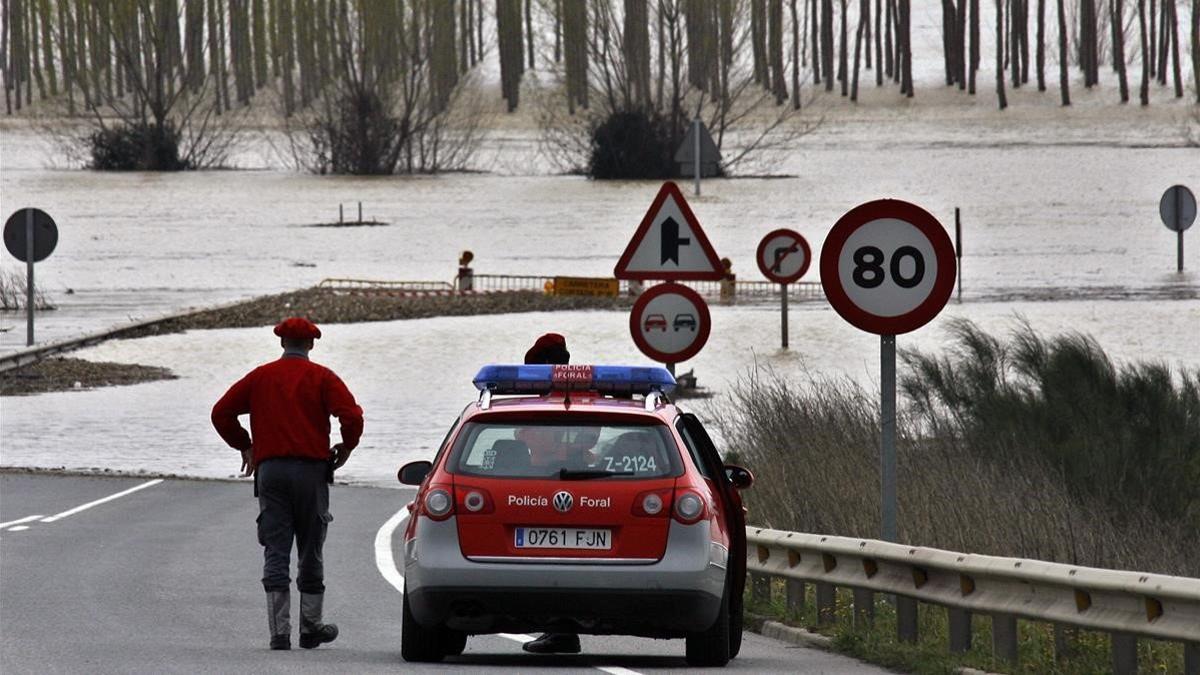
312 631
279 609
553 643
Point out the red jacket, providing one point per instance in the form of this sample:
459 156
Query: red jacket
289 402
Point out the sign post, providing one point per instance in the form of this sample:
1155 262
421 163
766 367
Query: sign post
888 267
783 257
698 153
669 322
30 235
1177 208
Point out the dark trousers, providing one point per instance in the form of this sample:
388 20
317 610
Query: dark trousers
293 503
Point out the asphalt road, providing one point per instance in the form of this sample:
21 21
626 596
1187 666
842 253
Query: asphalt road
165 578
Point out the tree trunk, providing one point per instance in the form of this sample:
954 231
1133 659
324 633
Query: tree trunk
1153 38
1175 67
1116 17
878 43
1196 46
1000 54
529 30
775 50
888 47
906 84
1146 58
637 51
795 57
863 16
817 36
843 52
1063 81
827 42
949 22
974 47
1041 45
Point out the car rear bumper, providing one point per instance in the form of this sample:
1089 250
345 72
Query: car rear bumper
678 594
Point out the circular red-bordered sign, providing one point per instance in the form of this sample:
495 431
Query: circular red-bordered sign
670 323
888 267
783 256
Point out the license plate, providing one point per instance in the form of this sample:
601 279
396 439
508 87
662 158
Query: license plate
563 537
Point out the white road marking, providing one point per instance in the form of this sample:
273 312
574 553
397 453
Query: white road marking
386 563
85 507
18 528
18 521
383 550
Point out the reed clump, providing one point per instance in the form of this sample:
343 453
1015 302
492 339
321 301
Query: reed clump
1030 447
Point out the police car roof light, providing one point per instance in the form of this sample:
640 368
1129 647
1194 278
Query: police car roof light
543 379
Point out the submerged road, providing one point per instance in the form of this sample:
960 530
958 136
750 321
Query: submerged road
135 575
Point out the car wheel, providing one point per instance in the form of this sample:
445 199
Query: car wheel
418 643
711 647
736 620
453 642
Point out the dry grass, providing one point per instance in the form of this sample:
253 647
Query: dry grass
815 447
13 291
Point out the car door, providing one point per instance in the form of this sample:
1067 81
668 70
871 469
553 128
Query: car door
731 500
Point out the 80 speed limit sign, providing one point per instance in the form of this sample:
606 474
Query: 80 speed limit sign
887 267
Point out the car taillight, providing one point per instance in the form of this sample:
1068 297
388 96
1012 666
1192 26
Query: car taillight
438 504
473 500
689 507
651 504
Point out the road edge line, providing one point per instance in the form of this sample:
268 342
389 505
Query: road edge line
84 507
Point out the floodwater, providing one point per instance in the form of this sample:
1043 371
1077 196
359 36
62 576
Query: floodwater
412 378
1060 227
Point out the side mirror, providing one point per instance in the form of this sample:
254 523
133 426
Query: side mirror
740 477
414 473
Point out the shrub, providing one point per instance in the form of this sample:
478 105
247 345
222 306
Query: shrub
815 447
137 146
1122 434
632 144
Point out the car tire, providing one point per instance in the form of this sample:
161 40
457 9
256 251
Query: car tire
737 620
453 642
711 648
417 643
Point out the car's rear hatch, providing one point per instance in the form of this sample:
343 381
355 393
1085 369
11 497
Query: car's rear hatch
564 490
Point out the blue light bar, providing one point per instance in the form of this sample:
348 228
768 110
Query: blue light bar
543 379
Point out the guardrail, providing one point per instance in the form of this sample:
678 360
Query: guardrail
801 290
395 286
1125 604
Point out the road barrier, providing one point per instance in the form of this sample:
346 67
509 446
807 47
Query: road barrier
493 283
1127 605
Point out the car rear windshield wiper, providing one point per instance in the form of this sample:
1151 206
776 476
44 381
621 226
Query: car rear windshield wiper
584 474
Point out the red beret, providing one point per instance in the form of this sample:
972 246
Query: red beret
297 328
549 348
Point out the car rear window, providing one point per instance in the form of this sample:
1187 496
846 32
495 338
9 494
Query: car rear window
543 450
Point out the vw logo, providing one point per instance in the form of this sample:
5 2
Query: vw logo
563 501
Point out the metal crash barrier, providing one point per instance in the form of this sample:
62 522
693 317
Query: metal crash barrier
1127 605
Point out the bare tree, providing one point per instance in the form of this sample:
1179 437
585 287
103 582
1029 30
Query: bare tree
742 113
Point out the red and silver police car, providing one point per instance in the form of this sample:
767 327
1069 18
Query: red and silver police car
575 499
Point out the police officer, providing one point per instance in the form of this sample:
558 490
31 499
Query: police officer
290 402
551 348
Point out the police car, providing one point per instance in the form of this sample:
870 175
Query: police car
575 499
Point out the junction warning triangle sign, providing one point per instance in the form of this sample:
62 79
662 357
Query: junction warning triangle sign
669 244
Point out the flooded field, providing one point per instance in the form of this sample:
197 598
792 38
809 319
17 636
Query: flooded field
1059 211
412 377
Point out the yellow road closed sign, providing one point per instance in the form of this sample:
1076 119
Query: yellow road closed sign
586 286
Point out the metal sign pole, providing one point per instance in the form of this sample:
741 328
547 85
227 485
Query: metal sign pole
1179 231
1179 252
696 148
958 249
887 437
783 295
671 369
29 277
